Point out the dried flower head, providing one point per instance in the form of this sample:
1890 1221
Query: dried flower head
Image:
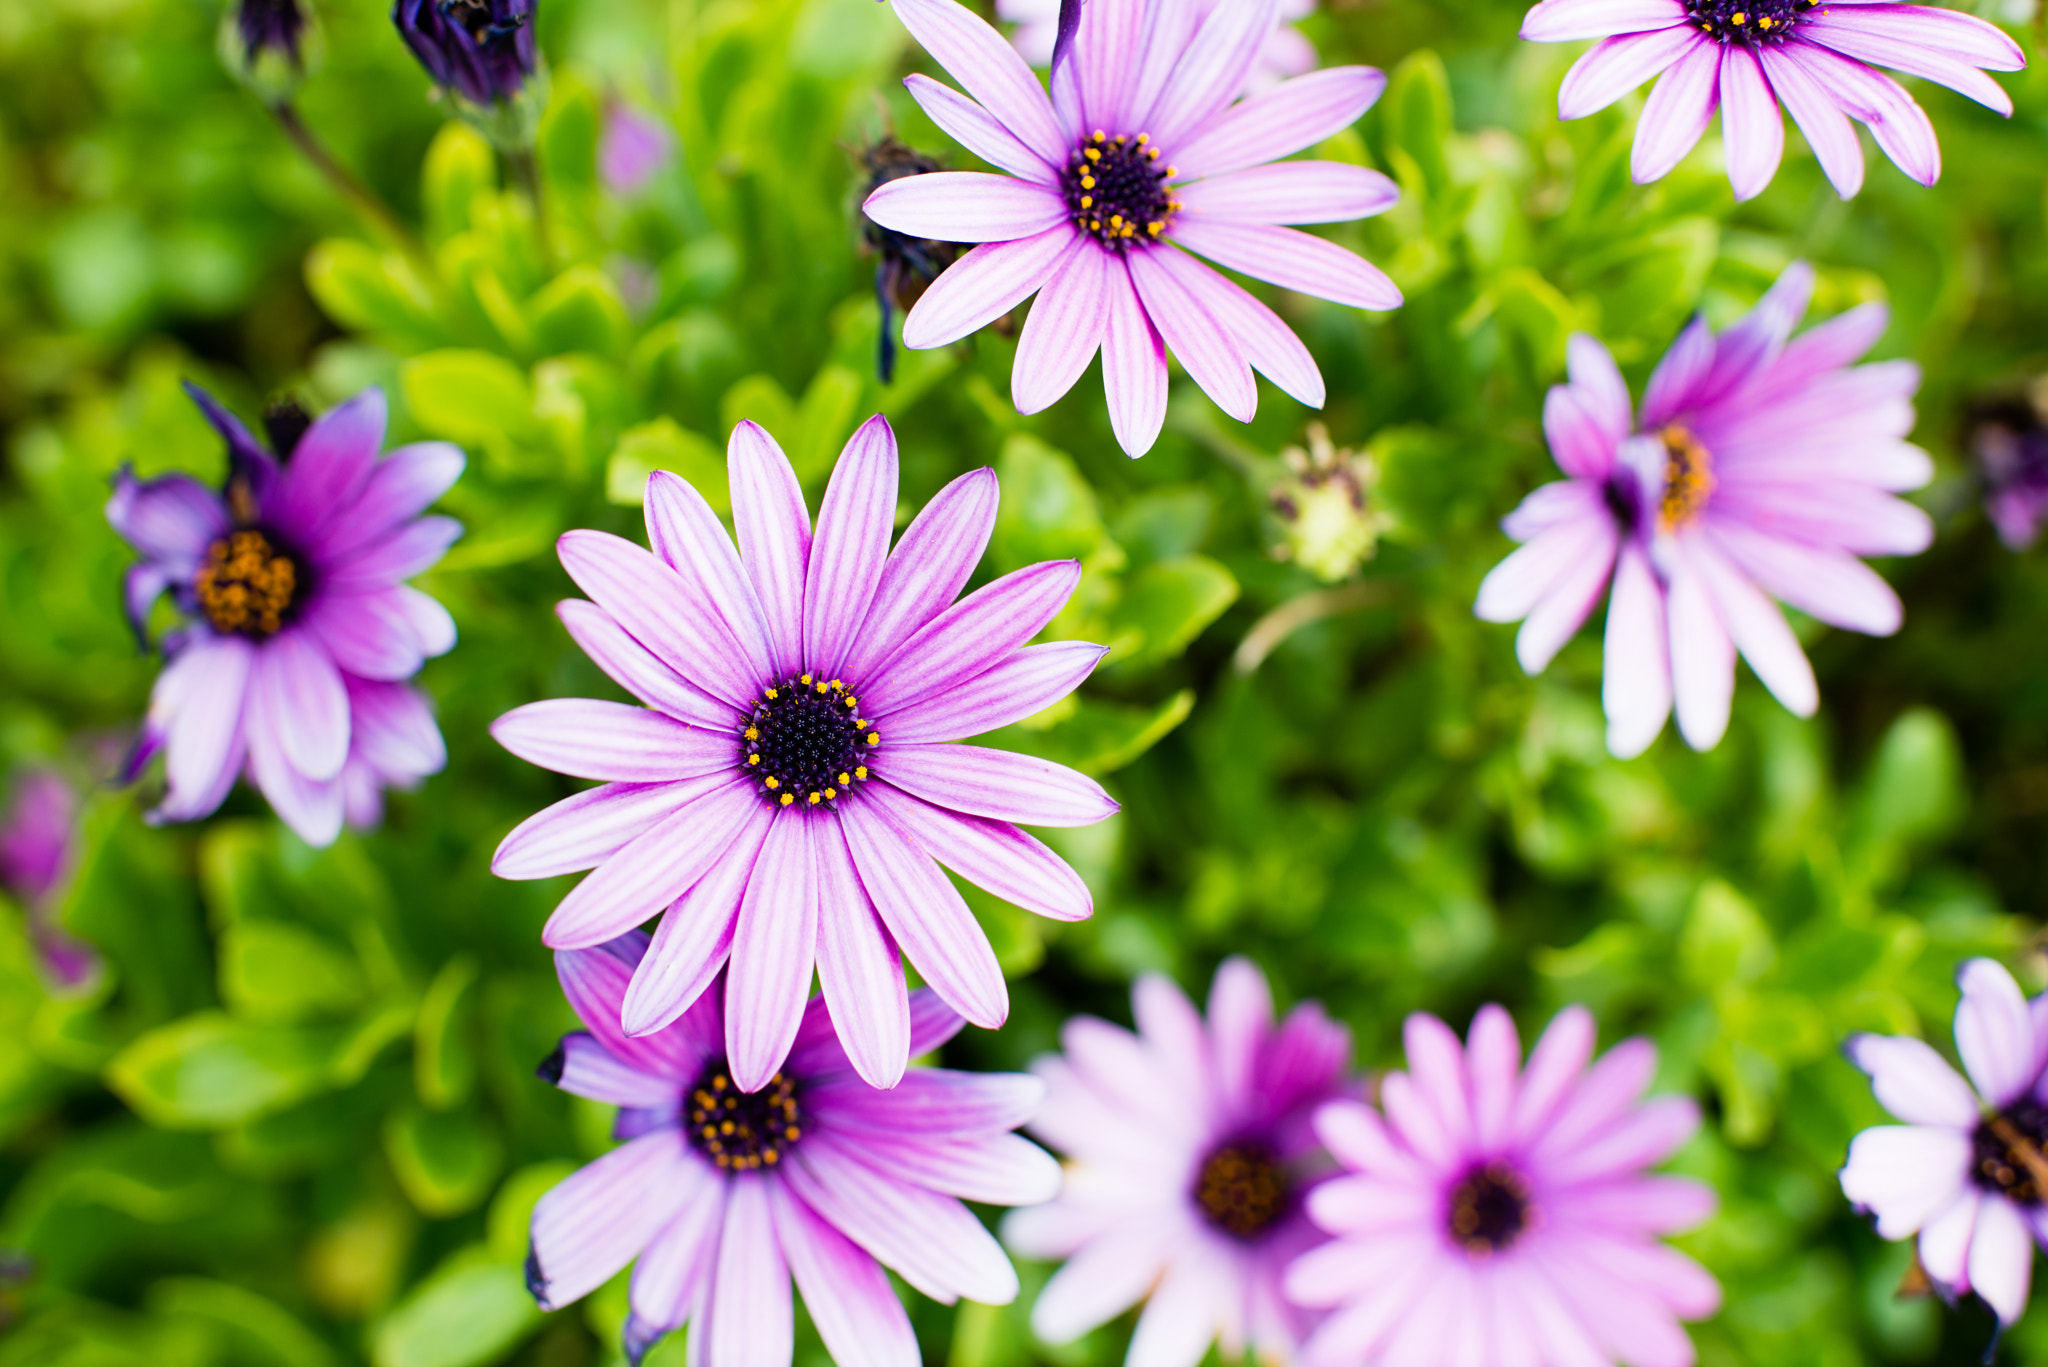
1323 504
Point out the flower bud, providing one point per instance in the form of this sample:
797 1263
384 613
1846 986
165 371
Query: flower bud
907 264
271 46
1323 505
481 52
2009 447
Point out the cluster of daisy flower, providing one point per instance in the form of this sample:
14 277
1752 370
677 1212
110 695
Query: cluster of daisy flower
790 799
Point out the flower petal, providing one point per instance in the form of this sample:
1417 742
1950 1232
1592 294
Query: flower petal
402 486
1913 1082
664 612
1024 685
1635 684
172 518
1281 121
1828 584
2001 1259
585 1068
634 667
296 684
587 738
1133 370
1851 34
1995 1033
1570 21
655 868
993 855
1064 329
693 942
198 703
1210 357
983 285
1675 116
391 728
851 545
1001 785
1292 259
673 1275
1757 628
598 1219
860 970
750 1318
583 831
926 916
979 131
846 1292
685 533
1827 129
328 469
774 530
1752 129
965 206
930 565
1292 192
774 948
1900 126
1265 341
990 70
966 639
1211 70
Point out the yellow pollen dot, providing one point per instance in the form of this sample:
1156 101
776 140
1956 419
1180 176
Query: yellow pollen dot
1095 225
1099 135
1152 152
718 1083
1739 17
831 792
772 695
753 733
823 687
1092 154
788 798
1116 220
769 1156
838 686
860 723
806 678
874 738
816 798
860 771
843 779
1087 201
1153 227
851 700
792 1134
1173 171
774 782
1764 22
1688 476
753 759
1144 138
725 1128
1087 182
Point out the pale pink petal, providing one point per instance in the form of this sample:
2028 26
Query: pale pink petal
749 1319
595 1221
1635 682
1702 661
1281 121
1907 1174
993 855
1210 357
693 940
1569 21
931 563
847 1294
657 867
965 206
2001 1259
583 831
774 530
1064 329
1266 342
1291 259
926 916
1211 70
1945 1240
859 967
979 131
684 531
983 285
587 738
1617 66
1757 628
1133 369
1828 584
634 667
1001 785
851 545
1995 1032
991 71
1292 192
1752 129
1827 129
1027 683
1677 113
1913 1082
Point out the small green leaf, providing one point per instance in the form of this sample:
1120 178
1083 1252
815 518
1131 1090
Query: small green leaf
1913 792
259 1331
1418 115
579 310
469 1311
1724 942
1048 510
1093 736
277 971
568 136
1167 604
459 167
445 1160
211 1070
443 1057
824 422
662 445
470 397
759 399
368 290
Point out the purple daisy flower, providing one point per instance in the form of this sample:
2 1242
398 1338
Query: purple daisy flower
1966 1172
1758 468
37 840
301 628
1139 153
724 1196
1286 52
1501 1215
1748 57
1189 1152
788 793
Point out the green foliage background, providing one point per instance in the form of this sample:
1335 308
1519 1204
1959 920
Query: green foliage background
298 1123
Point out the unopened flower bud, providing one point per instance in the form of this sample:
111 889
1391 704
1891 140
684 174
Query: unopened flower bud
907 264
483 54
271 46
1323 505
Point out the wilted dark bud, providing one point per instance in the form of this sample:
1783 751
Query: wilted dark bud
482 53
907 264
270 46
2009 445
1323 505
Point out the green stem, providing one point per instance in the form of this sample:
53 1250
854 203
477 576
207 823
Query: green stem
525 167
364 200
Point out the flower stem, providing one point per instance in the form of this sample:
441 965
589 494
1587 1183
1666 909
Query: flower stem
365 200
1270 631
525 167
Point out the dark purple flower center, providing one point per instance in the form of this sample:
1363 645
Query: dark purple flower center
1242 1189
1688 477
741 1130
807 742
484 25
1752 22
1489 1208
1116 189
249 584
2007 1150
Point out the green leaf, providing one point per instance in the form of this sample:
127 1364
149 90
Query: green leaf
444 1057
276 971
368 290
258 1331
759 399
1913 793
1418 115
459 167
511 1218
1166 605
469 1311
1048 510
568 136
662 445
1724 941
579 310
470 397
211 1070
1093 736
824 422
445 1160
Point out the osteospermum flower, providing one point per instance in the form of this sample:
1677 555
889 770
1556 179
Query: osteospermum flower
1189 1151
1749 57
1966 1172
1286 52
1757 468
481 50
787 793
1493 1213
300 629
1139 154
725 1196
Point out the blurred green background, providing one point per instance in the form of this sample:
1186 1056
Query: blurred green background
296 1120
